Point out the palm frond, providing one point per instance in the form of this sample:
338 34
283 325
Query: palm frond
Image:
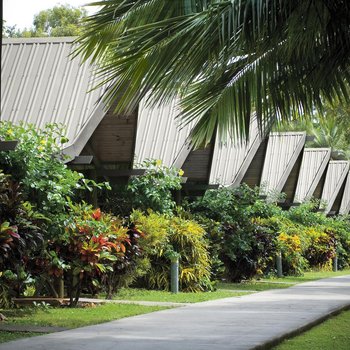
225 59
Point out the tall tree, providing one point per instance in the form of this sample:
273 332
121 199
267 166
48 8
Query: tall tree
62 20
331 128
224 58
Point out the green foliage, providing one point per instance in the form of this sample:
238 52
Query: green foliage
306 238
246 248
340 226
225 59
332 231
93 244
21 239
62 20
331 128
153 190
307 214
228 205
34 207
253 232
37 165
166 236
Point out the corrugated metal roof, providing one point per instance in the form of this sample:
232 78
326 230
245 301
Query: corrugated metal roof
336 173
282 152
345 204
159 135
231 158
41 84
312 167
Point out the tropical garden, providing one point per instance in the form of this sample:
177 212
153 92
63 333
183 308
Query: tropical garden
53 242
224 60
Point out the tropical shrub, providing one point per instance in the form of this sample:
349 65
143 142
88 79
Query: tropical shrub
20 239
340 226
231 205
169 236
321 248
307 214
215 238
153 190
128 267
318 232
37 165
94 243
247 249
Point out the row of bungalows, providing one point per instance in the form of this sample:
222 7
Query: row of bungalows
41 83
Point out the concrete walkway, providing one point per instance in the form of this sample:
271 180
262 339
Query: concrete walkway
249 322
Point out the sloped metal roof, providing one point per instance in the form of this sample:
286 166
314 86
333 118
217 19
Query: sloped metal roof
159 135
40 84
345 204
282 152
336 173
313 165
232 158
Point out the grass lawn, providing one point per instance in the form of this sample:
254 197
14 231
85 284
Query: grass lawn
75 317
157 295
310 276
69 317
275 283
331 334
252 286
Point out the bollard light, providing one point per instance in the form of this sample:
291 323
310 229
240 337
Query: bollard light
279 264
174 283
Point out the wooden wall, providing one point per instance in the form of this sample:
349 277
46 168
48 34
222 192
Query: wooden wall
197 165
253 175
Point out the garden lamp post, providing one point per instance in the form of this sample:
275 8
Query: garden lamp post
174 272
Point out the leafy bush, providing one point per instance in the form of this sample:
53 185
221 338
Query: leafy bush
40 212
307 214
37 165
20 239
94 244
340 226
232 205
321 248
166 236
153 190
247 249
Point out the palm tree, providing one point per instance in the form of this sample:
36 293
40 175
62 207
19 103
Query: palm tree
329 129
224 58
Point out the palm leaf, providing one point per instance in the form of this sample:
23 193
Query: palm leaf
224 59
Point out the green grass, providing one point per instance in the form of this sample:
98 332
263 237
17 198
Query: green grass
156 295
252 286
331 334
75 317
8 336
276 283
311 276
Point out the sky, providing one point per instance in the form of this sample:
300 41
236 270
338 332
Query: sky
21 12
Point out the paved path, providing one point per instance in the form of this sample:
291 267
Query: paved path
247 322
